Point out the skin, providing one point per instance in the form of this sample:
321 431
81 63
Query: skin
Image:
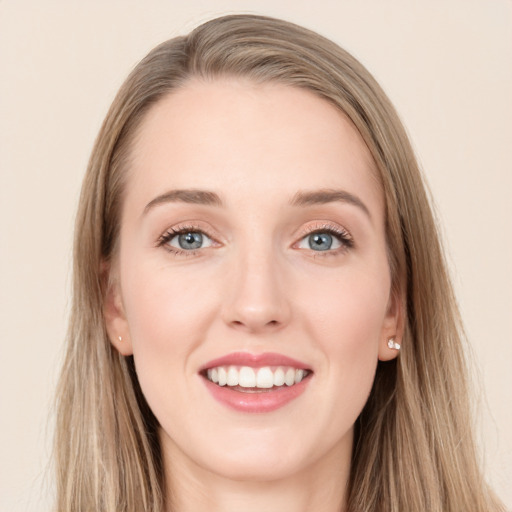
257 287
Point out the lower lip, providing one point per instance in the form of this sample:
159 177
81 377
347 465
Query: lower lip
264 401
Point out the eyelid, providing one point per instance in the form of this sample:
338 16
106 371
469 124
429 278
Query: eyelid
342 234
174 235
184 227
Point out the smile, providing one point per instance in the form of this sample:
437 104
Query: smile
247 378
255 383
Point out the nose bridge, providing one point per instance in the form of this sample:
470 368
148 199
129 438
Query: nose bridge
257 298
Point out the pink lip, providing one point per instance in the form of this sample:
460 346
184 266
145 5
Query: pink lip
261 401
254 360
264 401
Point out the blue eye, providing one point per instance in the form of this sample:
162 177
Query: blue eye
325 240
186 240
190 240
320 241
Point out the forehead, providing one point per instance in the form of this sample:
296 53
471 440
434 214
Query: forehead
233 135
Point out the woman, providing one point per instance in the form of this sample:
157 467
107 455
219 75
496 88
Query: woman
262 316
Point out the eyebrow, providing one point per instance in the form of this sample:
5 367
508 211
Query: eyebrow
300 199
324 196
191 196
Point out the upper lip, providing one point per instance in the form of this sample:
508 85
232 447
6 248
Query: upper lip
254 360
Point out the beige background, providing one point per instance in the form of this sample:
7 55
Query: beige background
447 66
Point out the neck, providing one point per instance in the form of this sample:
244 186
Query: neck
319 486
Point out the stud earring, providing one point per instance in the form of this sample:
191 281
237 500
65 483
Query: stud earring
393 344
119 338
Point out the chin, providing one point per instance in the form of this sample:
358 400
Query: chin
258 455
257 469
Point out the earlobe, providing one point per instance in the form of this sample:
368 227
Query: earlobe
113 313
123 346
393 345
389 349
393 329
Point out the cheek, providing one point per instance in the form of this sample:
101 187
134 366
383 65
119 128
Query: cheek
168 318
165 310
346 317
349 308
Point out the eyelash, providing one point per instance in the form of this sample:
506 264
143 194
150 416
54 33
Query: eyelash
164 240
341 234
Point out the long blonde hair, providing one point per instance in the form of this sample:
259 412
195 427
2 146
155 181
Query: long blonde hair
414 447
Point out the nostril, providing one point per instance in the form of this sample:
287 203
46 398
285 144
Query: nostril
271 323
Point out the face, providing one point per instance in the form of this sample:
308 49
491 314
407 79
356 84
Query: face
252 285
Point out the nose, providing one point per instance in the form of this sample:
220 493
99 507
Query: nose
257 298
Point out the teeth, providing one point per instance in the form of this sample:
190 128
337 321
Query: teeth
279 377
213 375
264 378
223 377
247 377
289 377
232 379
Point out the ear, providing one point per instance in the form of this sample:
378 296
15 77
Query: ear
393 326
113 311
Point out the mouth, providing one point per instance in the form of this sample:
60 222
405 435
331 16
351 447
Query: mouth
246 379
255 383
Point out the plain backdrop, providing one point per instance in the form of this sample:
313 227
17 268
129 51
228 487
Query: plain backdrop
446 65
